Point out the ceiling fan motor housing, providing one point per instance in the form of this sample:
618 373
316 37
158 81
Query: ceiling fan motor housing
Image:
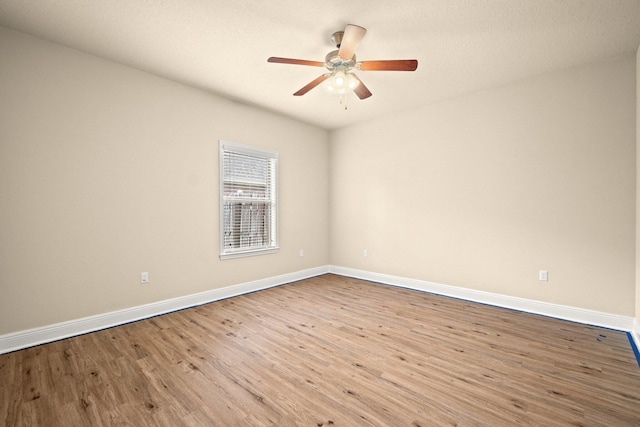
333 60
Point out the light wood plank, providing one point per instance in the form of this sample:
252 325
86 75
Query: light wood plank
329 351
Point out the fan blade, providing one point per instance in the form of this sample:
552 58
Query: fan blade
295 61
361 90
391 65
313 84
350 41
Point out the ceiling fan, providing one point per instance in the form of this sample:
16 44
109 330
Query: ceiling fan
342 62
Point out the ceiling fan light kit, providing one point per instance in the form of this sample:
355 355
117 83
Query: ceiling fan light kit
341 62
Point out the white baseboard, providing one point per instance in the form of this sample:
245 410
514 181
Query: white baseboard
635 334
58 331
580 315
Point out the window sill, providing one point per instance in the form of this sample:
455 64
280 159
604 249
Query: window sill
248 253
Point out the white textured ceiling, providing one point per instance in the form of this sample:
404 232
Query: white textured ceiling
222 46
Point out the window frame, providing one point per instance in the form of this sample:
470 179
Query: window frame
271 156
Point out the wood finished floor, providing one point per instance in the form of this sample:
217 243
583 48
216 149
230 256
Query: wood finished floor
329 351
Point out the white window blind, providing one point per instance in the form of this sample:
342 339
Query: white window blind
248 200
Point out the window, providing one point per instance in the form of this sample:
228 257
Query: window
248 202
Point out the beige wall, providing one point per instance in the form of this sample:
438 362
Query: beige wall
484 190
637 189
106 171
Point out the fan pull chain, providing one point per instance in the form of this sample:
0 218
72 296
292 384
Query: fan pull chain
343 100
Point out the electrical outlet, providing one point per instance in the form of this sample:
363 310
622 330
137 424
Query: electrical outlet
543 275
144 277
365 253
301 252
